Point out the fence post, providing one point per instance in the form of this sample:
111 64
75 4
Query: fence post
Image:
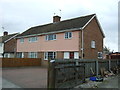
97 67
109 65
117 62
51 74
48 69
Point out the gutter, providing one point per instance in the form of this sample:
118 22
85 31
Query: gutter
11 38
82 44
51 32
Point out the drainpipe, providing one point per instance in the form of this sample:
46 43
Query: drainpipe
82 44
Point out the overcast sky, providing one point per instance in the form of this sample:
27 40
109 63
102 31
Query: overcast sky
19 15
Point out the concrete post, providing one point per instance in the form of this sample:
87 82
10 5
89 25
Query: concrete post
109 65
51 74
97 67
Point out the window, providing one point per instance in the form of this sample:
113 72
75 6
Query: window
100 55
66 55
51 37
49 55
33 39
20 55
32 54
71 55
22 40
93 44
76 55
68 35
7 55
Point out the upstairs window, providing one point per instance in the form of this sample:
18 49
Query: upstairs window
68 35
22 40
93 44
33 39
51 37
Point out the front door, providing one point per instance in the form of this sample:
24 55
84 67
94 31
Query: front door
71 55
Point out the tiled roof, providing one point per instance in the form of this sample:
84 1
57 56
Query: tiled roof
62 25
5 38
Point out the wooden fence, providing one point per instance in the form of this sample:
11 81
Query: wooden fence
65 74
96 65
20 62
70 73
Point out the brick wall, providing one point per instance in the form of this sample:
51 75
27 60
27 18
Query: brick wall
20 62
92 32
60 55
10 46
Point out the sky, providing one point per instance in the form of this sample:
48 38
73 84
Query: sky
20 15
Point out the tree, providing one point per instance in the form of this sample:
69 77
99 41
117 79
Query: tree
106 50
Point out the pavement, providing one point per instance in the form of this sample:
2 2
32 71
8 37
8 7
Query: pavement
8 84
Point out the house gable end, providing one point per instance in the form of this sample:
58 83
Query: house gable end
92 32
98 24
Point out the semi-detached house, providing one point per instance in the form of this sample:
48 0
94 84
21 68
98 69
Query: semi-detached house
8 45
80 37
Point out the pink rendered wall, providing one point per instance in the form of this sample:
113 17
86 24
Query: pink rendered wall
60 44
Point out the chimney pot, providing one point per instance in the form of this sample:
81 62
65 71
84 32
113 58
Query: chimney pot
5 33
56 19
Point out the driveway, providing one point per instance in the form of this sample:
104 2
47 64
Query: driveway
26 77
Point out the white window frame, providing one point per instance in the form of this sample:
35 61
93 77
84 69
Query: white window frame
33 39
66 55
32 54
93 43
50 37
21 40
67 35
76 55
7 55
101 56
20 55
46 55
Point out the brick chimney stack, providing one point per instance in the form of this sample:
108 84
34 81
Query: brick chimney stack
56 19
5 33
